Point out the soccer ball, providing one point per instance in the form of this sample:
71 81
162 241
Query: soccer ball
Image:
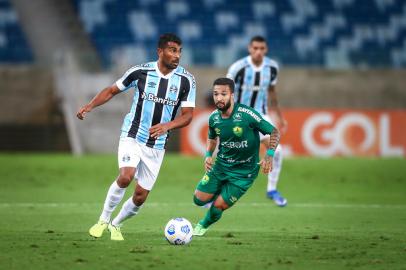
178 231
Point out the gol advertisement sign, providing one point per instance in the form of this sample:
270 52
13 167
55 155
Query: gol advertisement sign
323 133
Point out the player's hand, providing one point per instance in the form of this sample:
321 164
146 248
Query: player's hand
82 111
208 163
266 164
158 130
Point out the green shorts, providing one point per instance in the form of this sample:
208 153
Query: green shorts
219 182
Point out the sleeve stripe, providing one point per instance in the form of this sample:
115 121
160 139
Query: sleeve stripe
187 104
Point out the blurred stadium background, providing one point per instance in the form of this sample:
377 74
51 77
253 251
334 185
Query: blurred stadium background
342 80
341 87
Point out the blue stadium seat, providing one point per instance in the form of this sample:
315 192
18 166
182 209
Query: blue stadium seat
13 46
326 33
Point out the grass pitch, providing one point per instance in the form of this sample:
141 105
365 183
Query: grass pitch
342 214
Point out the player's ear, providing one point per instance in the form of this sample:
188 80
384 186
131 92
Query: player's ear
159 51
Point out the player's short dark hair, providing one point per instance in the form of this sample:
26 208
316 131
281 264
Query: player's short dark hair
258 39
168 37
225 81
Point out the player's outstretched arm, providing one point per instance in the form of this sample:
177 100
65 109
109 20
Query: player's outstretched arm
266 162
283 124
102 97
184 119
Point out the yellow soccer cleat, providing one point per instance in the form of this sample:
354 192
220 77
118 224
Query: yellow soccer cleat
115 233
97 229
199 230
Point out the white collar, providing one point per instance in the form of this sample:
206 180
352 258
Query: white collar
167 76
254 67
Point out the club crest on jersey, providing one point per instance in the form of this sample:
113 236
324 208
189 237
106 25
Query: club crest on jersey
205 179
173 89
126 158
238 131
217 130
237 117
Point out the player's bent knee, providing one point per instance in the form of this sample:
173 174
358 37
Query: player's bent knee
198 202
221 204
124 180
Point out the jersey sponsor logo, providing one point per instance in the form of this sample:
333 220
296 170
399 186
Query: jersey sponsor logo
251 113
238 145
238 131
145 65
253 88
152 84
205 179
154 98
237 117
184 71
230 160
216 119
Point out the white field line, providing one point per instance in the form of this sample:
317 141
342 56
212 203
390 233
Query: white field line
164 204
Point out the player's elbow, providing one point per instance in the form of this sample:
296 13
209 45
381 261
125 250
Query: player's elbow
188 118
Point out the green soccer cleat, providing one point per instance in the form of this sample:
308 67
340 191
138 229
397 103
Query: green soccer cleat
199 230
115 233
97 229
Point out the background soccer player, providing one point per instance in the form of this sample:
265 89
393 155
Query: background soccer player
237 129
160 88
255 76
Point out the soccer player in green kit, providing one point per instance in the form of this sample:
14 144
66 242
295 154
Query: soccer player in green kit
235 128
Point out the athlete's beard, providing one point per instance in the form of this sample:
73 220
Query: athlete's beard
225 107
171 65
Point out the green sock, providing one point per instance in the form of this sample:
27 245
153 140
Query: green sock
213 215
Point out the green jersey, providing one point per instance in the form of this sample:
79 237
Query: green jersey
239 141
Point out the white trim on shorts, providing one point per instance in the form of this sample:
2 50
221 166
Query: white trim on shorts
146 160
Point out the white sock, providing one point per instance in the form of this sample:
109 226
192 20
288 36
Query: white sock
128 210
113 198
273 176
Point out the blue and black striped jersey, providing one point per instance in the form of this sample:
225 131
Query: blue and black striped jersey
252 82
156 100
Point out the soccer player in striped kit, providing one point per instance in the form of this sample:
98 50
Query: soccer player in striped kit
255 78
160 88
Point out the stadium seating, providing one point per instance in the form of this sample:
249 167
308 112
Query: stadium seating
331 33
13 45
327 33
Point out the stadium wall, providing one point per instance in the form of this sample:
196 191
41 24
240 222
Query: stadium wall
33 98
30 118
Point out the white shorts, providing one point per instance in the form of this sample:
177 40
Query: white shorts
267 118
146 161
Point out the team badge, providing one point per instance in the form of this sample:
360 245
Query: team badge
173 89
205 179
238 131
126 158
217 130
